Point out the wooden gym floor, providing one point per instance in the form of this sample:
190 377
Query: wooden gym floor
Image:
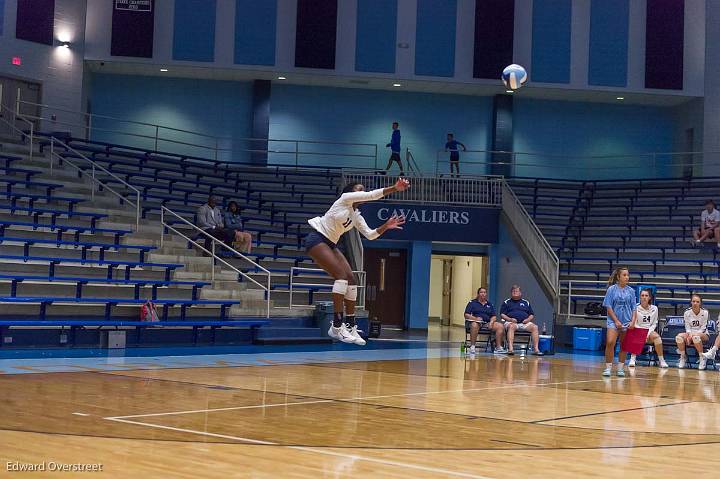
448 416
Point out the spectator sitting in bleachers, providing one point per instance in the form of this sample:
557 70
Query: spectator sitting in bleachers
233 221
519 316
696 320
709 224
480 313
647 318
210 220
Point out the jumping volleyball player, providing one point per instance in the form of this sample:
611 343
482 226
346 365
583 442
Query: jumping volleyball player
321 245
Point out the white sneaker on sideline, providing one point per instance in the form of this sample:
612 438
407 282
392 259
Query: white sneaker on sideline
682 363
358 339
346 335
500 350
631 363
334 332
702 364
709 354
472 349
607 372
663 364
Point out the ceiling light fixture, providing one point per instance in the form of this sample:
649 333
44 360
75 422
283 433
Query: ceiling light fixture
282 78
163 69
397 85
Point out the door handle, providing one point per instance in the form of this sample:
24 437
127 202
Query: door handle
382 275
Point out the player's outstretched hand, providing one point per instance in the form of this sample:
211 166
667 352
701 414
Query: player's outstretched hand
402 184
395 222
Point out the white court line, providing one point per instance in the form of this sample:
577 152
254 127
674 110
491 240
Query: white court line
513 386
355 457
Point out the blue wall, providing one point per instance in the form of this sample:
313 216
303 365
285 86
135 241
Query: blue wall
376 36
2 15
255 32
418 281
219 108
365 116
435 37
508 267
608 58
551 41
194 32
588 129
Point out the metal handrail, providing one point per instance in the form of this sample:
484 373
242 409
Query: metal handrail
471 191
267 288
18 130
535 244
88 126
411 163
94 167
567 287
362 278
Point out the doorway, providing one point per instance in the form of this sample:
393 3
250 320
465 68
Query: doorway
454 280
28 91
386 271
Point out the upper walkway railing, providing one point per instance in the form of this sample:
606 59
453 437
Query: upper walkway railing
474 191
156 137
582 167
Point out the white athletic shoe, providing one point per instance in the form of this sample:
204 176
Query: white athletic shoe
663 364
334 333
358 339
682 363
346 335
631 363
607 372
702 364
710 354
472 349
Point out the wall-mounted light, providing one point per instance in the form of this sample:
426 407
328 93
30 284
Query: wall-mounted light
620 98
65 44
397 85
163 69
282 78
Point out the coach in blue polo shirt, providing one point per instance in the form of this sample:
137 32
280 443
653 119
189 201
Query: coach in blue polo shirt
481 313
518 316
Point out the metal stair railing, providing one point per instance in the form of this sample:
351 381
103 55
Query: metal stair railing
165 211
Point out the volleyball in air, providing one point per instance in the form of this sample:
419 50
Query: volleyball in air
514 76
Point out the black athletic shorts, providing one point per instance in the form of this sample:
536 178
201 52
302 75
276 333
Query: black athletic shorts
315 238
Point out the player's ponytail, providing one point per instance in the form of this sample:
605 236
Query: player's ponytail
616 275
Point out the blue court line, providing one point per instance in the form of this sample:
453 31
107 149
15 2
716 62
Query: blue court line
53 365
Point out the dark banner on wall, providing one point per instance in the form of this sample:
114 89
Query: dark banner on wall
133 24
436 222
664 44
494 30
35 20
315 34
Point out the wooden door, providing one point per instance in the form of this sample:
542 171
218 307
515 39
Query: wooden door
386 271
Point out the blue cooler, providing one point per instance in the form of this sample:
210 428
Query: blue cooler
587 338
545 344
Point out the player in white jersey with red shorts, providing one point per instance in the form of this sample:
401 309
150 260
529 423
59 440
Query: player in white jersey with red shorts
646 317
321 245
696 320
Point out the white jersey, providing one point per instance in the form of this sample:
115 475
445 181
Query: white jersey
341 217
696 323
647 318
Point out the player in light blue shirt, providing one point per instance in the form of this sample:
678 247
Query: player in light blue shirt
620 301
